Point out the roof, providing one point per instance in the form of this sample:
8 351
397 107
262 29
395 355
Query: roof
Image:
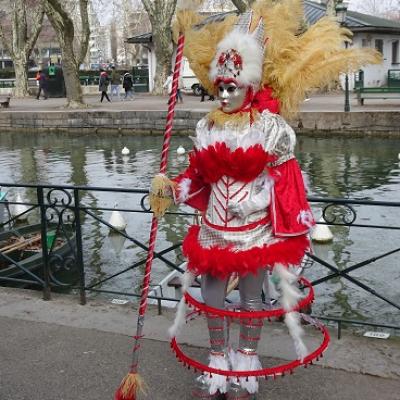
354 20
143 38
313 12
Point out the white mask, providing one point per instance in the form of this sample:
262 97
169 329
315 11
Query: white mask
231 96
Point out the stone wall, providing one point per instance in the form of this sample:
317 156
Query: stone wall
153 122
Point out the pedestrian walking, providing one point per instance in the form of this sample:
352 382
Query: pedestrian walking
115 82
179 91
168 83
103 85
168 86
127 84
42 79
204 94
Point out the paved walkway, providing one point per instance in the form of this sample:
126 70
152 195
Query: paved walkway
142 101
59 350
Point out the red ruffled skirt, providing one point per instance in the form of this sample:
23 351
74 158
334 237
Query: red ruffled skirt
222 262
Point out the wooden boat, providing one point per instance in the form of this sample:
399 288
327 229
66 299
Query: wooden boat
23 245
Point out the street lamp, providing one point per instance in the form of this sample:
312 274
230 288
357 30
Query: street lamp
341 14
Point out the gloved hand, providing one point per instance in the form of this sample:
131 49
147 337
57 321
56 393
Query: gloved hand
161 194
259 201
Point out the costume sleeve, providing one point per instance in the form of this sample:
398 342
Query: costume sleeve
191 188
290 212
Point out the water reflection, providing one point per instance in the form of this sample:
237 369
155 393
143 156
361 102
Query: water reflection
343 167
335 167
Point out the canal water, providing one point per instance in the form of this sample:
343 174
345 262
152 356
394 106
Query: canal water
365 169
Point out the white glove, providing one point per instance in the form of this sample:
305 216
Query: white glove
259 201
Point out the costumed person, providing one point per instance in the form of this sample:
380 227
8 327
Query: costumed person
244 179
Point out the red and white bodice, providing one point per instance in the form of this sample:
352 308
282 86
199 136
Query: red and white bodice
241 181
228 192
223 227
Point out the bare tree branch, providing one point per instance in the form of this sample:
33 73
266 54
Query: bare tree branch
160 13
3 40
36 27
83 8
242 5
148 7
63 24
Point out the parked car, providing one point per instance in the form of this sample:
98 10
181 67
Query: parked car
190 81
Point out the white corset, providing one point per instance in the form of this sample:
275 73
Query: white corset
228 191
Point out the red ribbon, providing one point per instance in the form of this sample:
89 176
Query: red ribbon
263 100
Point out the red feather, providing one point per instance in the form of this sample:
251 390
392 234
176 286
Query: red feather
221 262
218 160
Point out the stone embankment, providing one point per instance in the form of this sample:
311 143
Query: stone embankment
321 115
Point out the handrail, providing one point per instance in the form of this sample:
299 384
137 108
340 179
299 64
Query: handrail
63 206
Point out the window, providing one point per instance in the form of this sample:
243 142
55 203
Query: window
379 45
366 43
395 52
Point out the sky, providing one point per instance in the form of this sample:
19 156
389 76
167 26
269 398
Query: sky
104 7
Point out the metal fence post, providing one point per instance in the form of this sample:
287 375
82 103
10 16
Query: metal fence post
79 251
45 254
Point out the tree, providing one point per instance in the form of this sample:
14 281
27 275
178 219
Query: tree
242 5
114 41
331 7
160 13
73 52
22 38
383 8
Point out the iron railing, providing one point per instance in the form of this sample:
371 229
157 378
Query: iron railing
60 210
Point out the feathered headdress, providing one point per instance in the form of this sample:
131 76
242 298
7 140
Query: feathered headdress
295 61
239 56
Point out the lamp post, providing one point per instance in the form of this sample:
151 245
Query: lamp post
341 14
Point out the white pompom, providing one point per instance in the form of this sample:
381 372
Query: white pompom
321 233
180 151
117 220
125 151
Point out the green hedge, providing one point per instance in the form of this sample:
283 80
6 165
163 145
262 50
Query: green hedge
10 74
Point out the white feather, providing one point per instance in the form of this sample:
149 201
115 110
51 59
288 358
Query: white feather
179 320
244 362
292 321
184 189
217 382
290 297
187 280
251 53
180 317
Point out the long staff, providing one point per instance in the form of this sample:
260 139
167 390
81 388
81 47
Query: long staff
133 382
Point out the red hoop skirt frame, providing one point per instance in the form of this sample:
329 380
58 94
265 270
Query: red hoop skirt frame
279 370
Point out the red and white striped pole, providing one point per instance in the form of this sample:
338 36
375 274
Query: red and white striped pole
132 381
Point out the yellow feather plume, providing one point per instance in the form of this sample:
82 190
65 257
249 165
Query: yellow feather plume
161 195
297 58
236 121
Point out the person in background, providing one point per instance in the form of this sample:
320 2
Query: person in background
42 79
168 82
168 86
103 85
179 91
115 82
127 84
204 94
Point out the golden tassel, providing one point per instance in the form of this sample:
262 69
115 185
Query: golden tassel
161 194
132 384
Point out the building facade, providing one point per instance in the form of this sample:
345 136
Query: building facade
368 31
